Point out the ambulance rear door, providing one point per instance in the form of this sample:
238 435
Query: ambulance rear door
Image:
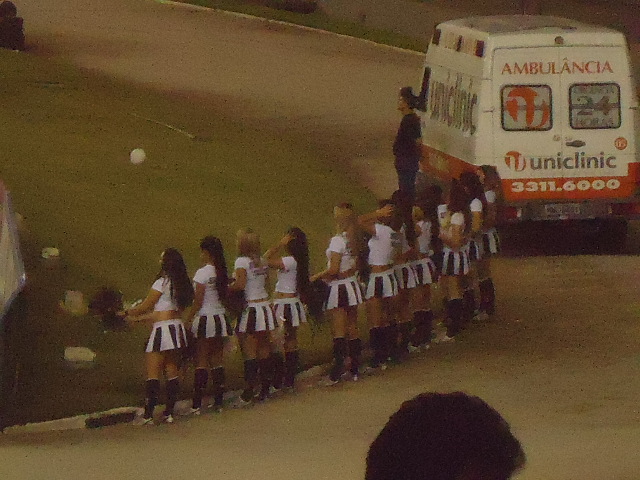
598 144
527 124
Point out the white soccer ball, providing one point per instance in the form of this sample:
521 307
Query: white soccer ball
137 156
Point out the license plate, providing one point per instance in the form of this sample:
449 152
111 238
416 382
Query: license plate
562 210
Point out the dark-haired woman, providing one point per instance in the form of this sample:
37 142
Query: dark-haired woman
477 207
210 325
382 285
492 185
454 218
257 319
292 284
407 147
341 274
169 296
426 223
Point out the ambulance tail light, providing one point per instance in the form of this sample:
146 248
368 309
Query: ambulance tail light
510 214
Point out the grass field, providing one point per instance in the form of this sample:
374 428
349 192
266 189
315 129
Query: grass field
66 138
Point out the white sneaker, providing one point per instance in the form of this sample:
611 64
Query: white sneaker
446 338
481 317
241 403
327 382
355 378
194 411
413 349
139 421
167 419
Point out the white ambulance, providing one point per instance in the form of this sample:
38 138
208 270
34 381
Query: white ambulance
548 101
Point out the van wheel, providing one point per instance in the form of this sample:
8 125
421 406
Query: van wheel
612 235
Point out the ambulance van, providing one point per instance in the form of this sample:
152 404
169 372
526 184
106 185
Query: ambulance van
549 102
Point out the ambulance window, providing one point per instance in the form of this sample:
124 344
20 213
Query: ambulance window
526 107
594 105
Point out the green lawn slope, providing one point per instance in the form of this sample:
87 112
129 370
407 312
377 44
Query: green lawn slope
64 154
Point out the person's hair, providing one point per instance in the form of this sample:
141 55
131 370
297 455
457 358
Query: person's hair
172 267
492 180
248 243
298 247
8 9
472 184
444 436
428 200
213 246
347 222
406 93
404 203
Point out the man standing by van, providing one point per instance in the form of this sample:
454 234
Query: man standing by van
407 147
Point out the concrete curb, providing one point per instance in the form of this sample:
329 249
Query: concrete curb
128 414
287 24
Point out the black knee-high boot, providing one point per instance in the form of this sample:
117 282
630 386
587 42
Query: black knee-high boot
404 332
251 379
152 392
200 380
391 341
291 360
355 350
376 342
468 306
454 313
423 322
277 365
340 352
218 380
173 388
487 296
266 376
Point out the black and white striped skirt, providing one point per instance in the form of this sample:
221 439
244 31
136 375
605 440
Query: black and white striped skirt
211 326
290 310
491 242
344 293
426 271
382 285
167 335
455 263
475 249
257 317
405 275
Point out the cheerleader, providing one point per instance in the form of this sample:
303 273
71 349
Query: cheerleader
257 319
426 225
382 284
210 324
169 296
492 185
403 226
343 258
292 284
477 206
453 218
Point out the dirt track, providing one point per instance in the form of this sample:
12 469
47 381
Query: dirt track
561 362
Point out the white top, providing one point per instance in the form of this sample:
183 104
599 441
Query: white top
383 245
287 276
476 205
447 222
255 288
211 304
339 244
165 303
490 196
424 239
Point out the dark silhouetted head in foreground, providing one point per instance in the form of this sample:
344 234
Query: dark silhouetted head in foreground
452 436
